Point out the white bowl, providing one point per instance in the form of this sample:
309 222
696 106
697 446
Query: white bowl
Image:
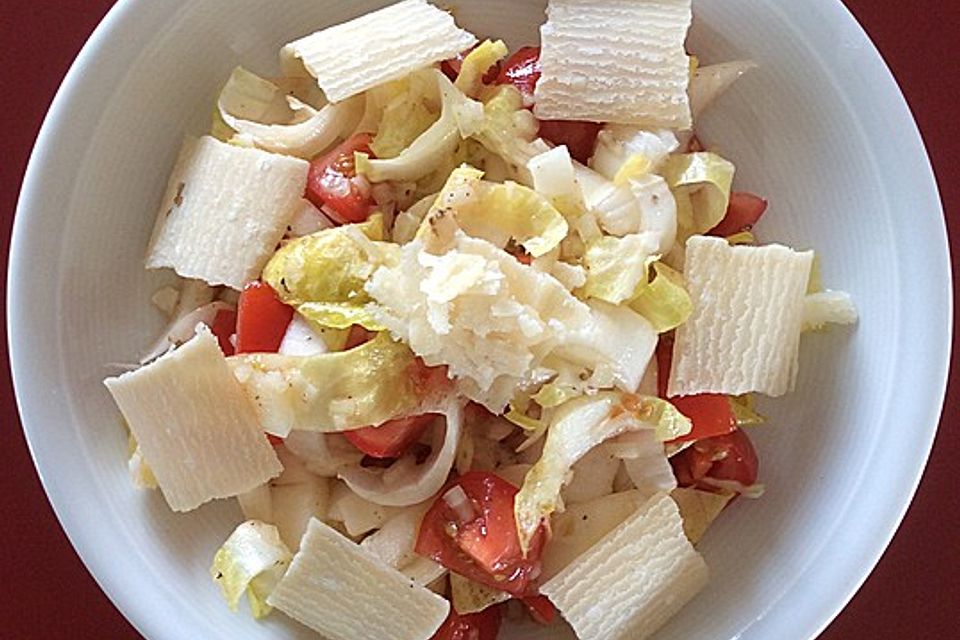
821 130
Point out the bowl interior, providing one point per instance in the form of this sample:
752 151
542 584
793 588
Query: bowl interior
820 129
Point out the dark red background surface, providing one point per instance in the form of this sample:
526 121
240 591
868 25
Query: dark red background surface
45 592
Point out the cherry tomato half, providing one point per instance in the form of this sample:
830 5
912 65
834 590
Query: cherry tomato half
484 625
540 609
744 210
333 185
224 326
579 137
262 319
522 70
392 438
479 539
730 457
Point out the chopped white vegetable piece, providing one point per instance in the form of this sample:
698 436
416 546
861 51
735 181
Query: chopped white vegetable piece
633 580
583 525
301 339
342 592
744 333
615 61
617 337
393 544
554 178
195 426
358 515
225 209
827 307
140 472
593 476
292 506
645 461
257 504
378 47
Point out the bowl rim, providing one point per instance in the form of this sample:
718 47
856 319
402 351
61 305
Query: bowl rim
23 369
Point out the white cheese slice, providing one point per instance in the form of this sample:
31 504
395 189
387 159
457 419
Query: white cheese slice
615 61
378 47
633 580
194 425
224 211
744 333
342 592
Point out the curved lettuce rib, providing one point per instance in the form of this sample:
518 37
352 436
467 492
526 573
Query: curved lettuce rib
498 212
664 302
701 185
458 117
577 427
248 103
617 267
323 274
476 64
330 392
251 561
408 107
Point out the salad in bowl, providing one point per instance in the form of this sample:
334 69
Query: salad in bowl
468 333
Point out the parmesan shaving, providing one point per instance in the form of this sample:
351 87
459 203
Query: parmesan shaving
633 580
342 592
478 310
615 61
224 211
744 333
193 423
378 47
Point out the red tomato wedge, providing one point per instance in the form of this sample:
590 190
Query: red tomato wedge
262 319
484 625
744 210
540 609
452 66
357 336
730 457
477 536
392 438
224 326
580 137
710 413
333 185
522 70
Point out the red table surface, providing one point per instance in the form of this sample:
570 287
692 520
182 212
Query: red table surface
45 592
